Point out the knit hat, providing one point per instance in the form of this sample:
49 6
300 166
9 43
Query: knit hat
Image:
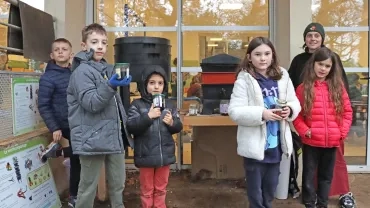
314 27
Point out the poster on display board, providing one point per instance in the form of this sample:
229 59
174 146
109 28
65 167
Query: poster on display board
26 116
25 181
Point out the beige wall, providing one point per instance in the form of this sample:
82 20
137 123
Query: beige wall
289 26
70 19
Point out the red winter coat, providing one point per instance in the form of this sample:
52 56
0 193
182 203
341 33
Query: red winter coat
326 130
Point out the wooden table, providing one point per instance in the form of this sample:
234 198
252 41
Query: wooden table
213 149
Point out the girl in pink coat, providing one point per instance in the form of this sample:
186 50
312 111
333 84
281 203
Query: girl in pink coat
323 123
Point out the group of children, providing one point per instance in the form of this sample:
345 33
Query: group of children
313 97
80 102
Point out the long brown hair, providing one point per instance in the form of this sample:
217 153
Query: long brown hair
273 71
334 81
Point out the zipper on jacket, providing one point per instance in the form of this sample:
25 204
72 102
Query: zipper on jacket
160 141
119 120
326 122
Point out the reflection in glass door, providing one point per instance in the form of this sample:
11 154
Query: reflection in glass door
356 142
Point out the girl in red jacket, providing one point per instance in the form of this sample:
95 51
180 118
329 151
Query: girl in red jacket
324 121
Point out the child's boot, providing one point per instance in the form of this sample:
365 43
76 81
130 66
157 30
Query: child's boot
347 200
72 201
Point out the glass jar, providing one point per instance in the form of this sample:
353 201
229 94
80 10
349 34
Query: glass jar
224 106
122 69
193 110
159 101
280 104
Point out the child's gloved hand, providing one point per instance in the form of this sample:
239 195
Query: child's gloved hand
115 82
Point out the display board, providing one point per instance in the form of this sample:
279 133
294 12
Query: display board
26 117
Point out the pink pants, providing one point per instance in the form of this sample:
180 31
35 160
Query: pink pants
153 183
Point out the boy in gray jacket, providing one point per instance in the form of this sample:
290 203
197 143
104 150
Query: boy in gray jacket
97 119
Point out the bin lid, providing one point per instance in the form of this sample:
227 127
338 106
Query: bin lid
221 59
142 39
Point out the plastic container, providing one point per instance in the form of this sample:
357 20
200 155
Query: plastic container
218 77
220 63
215 91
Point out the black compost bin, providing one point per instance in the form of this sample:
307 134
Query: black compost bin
212 92
142 52
220 63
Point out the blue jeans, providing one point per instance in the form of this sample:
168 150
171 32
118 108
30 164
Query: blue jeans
262 180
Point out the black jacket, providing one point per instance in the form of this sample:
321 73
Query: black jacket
297 66
52 97
153 142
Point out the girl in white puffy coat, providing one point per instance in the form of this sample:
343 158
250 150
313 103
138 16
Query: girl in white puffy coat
262 103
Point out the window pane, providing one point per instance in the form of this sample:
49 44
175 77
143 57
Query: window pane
355 145
225 13
199 45
352 47
339 13
111 13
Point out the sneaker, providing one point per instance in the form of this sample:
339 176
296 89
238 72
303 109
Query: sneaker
347 200
309 206
72 201
50 151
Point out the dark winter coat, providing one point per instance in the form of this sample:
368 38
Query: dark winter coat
153 142
297 66
52 96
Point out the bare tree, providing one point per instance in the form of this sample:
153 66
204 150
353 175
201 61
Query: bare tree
337 13
4 7
206 12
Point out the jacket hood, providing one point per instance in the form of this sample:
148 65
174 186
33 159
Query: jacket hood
86 57
147 72
52 66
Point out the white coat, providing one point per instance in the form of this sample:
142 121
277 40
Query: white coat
246 107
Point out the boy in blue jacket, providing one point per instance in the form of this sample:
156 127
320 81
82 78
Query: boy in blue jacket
53 108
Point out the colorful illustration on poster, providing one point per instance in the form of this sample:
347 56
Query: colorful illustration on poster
26 181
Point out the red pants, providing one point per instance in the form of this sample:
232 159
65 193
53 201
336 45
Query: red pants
153 183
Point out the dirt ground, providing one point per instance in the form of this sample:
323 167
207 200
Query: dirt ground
186 193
